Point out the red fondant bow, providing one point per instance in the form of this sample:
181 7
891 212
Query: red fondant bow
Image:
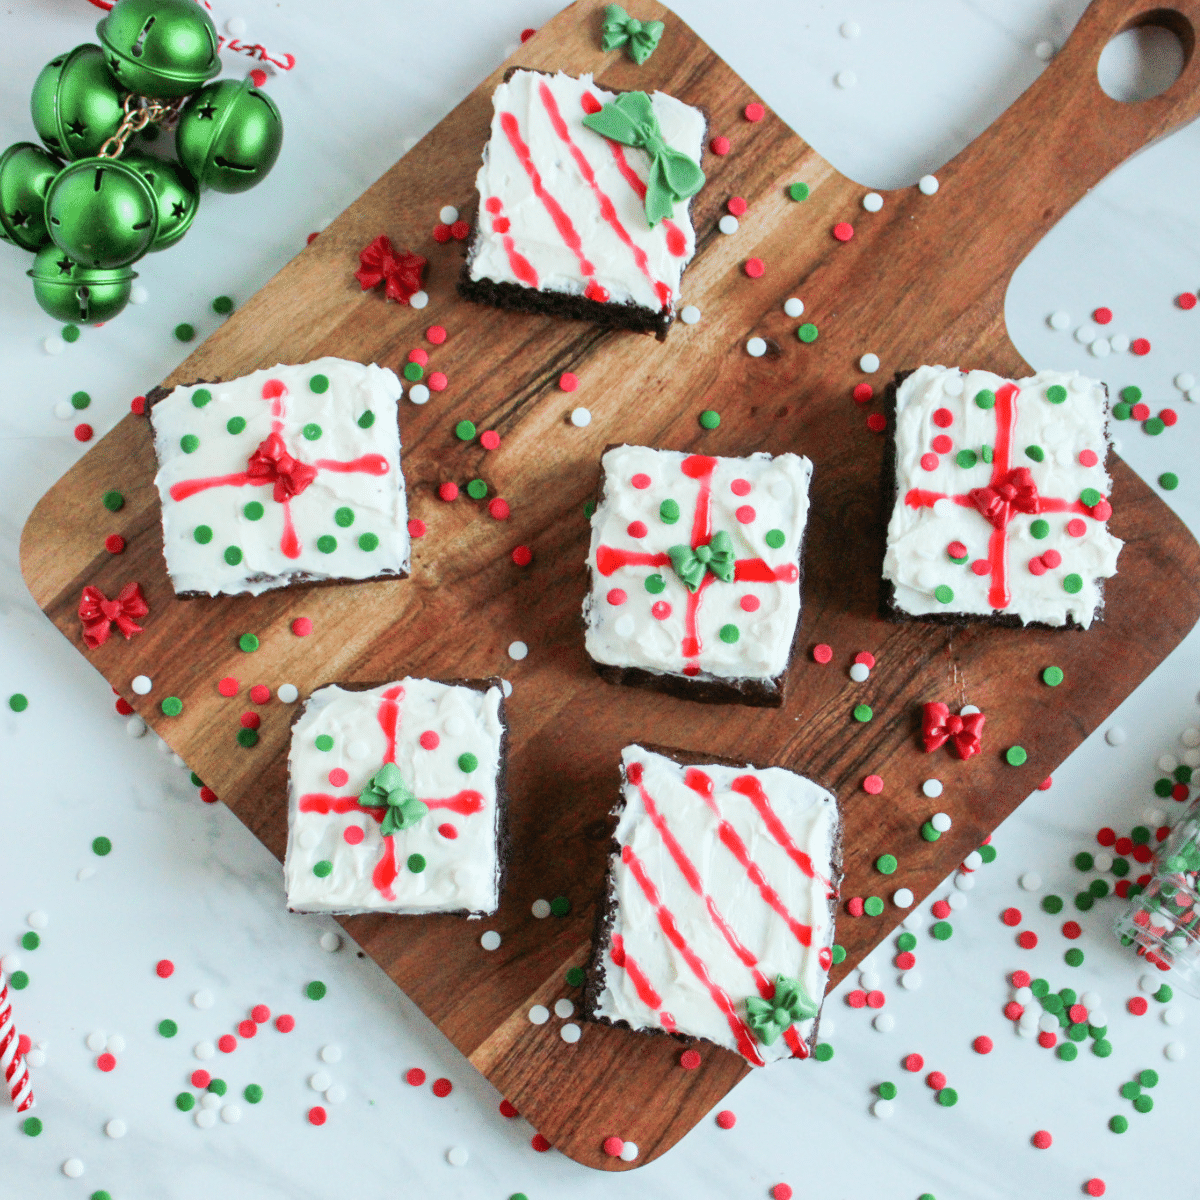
99 614
273 464
1014 490
938 726
380 262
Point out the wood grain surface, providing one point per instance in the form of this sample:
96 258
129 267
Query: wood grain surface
921 281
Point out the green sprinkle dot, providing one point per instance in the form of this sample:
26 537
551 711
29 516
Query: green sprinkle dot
887 1090
248 642
1183 773
929 833
202 534
906 941
368 541
943 594
985 398
873 906
823 1052
233 555
70 333
1052 904
1073 957
1084 861
668 512
1148 1077
31 941
1056 393
1120 867
1052 1003
235 424
1144 1104
1131 394
253 1093
1053 676
185 1102
1162 787
101 846
200 397
1035 452
987 853
184 332
414 372
1068 1051
416 863
886 863
1121 411
1140 835
1015 756
1084 901
312 431
18 702
467 762
316 990
344 517
838 955
19 980
986 454
729 634
322 868
1090 497
477 489
1039 528
947 1097
966 459
1079 1032
863 713
253 511
655 584
323 742
319 384
1098 888
798 191
775 538
807 332
366 420
1040 988
575 977
1168 481
80 400
1073 583
710 418
560 906
1163 994
1154 426
172 706
247 737
168 1028
188 443
464 431
942 930
113 501
1118 1124
327 543
218 1087
222 305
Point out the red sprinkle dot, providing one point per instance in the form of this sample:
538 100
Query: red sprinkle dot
247 1029
1179 791
312 237
1076 527
854 906
260 1014
229 686
929 462
943 418
983 1044
1013 1010
863 392
260 694
302 626
460 230
1186 300
1102 316
740 487
258 77
339 776
114 543
316 1115
936 1080
441 234
442 1087
1123 845
106 1062
613 1147
1046 784
1071 929
1047 1040
876 999
640 481
1027 939
1140 346
822 653
208 795
201 1079
1042 1139
1106 836
865 659
568 381
435 334
689 1060
736 205
750 603
24 1044
941 909
1077 1013
1020 979
539 1143
489 439
508 1109
1052 559
526 34
719 145
137 405
1168 416
417 528
448 491
905 960
856 998
754 111
1095 1187
123 706
873 785
726 1118
942 444
1142 854
1011 916
1137 1005
843 231
781 1191
913 1062
637 529
437 381
250 720
418 356
876 422
429 740
1140 412
522 556
227 1043
164 968
745 514
1088 458
414 1076
754 267
448 832
616 596
83 433
285 1023
499 508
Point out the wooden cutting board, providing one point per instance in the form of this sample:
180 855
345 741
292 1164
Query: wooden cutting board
921 281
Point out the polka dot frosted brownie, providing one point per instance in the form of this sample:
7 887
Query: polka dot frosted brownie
1002 498
718 918
396 799
696 572
288 475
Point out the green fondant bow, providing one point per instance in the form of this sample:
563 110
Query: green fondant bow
769 1018
630 120
638 37
716 557
387 788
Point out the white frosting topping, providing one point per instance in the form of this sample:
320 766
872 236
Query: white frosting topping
520 237
462 867
657 987
745 628
1056 547
348 523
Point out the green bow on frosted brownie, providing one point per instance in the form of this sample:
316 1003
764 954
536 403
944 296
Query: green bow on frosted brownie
630 120
769 1018
717 557
386 788
638 37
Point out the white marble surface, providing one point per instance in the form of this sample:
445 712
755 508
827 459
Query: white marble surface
188 882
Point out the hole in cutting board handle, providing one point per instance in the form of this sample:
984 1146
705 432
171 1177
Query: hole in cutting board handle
1147 57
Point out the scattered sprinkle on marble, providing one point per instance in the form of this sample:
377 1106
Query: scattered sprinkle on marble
1030 881
116 1128
1119 342
689 314
204 1050
490 940
1115 735
910 980
872 202
915 920
1044 51
319 1081
205 1118
54 345
928 185
231 1114
331 1054
884 1022
850 29
517 651
37 919
115 1044
570 1033
73 1168
138 294
457 1156
202 999
756 347
1173 1016
1101 348
845 79
793 306
539 1014
335 1094
581 417
883 1109
1175 1051
95 1041
135 727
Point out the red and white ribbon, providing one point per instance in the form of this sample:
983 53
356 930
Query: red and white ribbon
12 1061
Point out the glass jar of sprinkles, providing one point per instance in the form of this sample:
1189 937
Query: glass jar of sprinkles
1163 921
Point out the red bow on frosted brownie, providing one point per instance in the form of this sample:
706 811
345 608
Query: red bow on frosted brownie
379 262
273 464
939 725
1014 490
99 614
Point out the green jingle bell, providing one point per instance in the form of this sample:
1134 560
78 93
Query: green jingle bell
26 172
160 48
81 295
229 135
76 104
178 199
102 212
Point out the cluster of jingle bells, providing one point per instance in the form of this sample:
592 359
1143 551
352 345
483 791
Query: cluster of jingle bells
89 208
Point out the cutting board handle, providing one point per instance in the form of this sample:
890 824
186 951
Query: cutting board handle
1064 134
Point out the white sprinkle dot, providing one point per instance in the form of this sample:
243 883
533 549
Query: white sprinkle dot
506 688
868 979
756 347
915 920
517 651
1167 762
1148 983
335 1094
1173 1016
956 900
540 908
1175 1051
570 1033
860 672
115 1044
1192 758
964 882
418 393
330 941
581 417
457 1156
928 185
1059 320
1048 1023
236 26
135 727
564 1008
883 1109
1090 1000
872 202
845 79
539 1014
869 363
319 1081
490 940
38 919
1044 51
932 788
418 300
973 861
941 822
1190 736
202 999
210 1100
850 29
204 1050
54 345
884 1022
689 314
943 507
728 223
448 215
73 1168
141 684
205 1118
902 898
1086 334
358 749
96 1041
1030 881
1119 342
331 1054
1193 394
1101 348
629 1151
116 1128
1185 381
1115 735
968 709
138 294
231 1114
1154 816
1096 1017
910 980
36 1058
64 410
1023 995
